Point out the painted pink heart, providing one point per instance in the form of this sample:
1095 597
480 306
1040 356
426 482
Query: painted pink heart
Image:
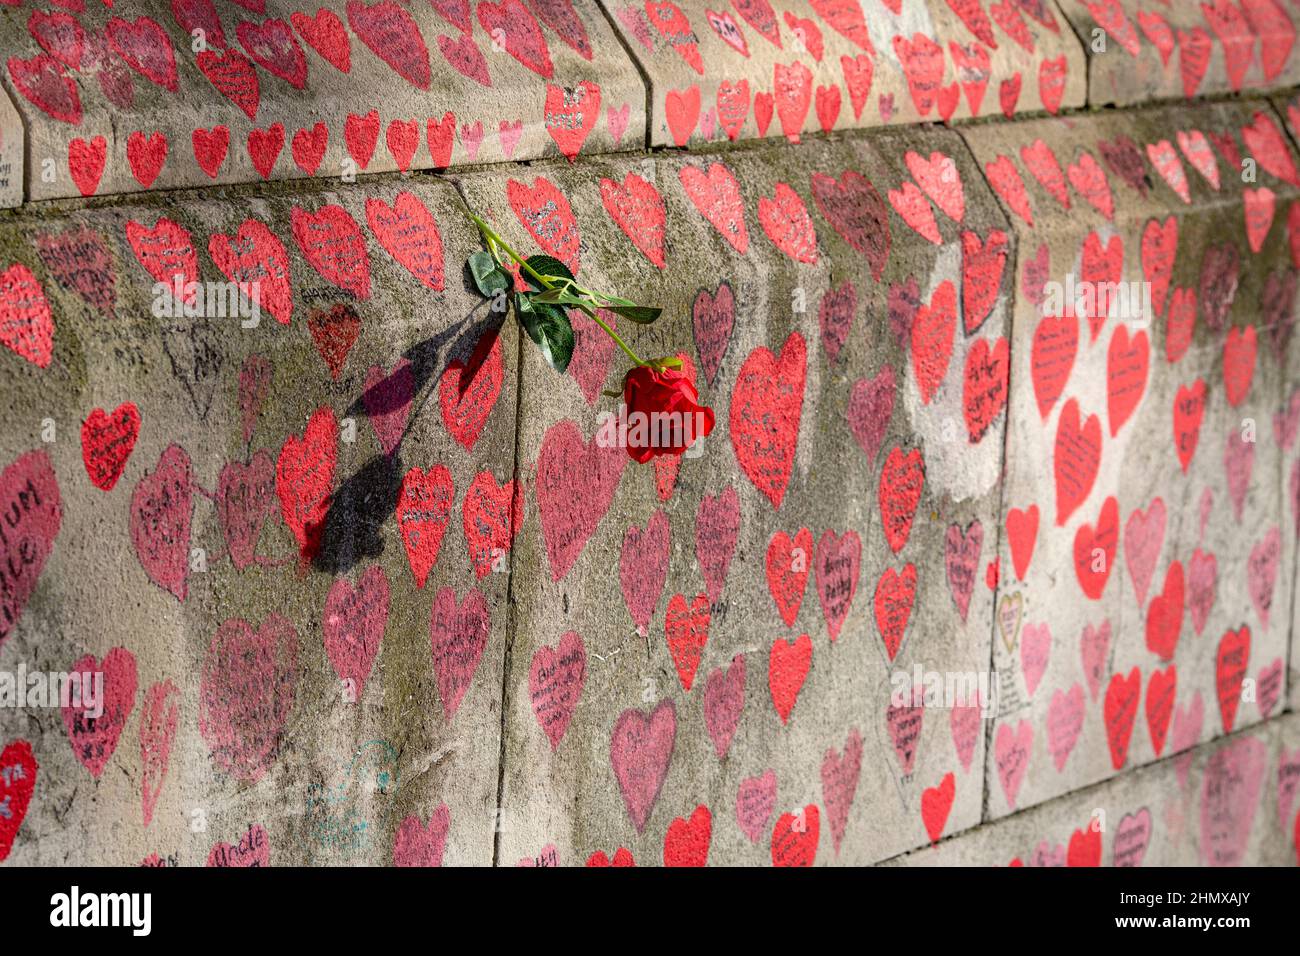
160 521
643 568
840 773
246 693
640 750
724 699
576 481
717 525
458 637
755 801
1035 648
870 408
961 559
1144 535
422 844
353 626
1064 723
555 680
158 718
1011 750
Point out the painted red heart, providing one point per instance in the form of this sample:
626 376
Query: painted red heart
18 772
331 241
146 155
787 565
1189 409
1094 550
26 322
234 76
1022 536
353 626
107 441
786 222
246 497
1128 361
324 33
687 841
304 478
1052 354
1119 711
514 27
716 195
95 738
686 629
255 260
47 85
787 669
902 480
984 385
933 331
145 47
1230 663
544 211
766 408
894 597
308 147
795 837
210 148
392 35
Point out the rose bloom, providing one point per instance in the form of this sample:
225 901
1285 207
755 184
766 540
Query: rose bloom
669 404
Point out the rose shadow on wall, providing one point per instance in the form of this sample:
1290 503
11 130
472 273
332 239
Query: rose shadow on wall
350 532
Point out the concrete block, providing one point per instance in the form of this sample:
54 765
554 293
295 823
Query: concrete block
245 512
1231 802
12 137
1138 53
794 67
1286 421
705 648
123 101
1143 595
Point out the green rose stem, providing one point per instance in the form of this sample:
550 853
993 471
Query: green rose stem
495 242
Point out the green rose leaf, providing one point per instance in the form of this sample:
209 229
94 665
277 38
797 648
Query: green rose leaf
547 266
549 328
641 314
489 278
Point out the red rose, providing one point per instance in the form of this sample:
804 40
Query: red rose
664 414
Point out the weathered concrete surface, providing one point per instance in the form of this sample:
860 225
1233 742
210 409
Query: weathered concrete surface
1229 803
1138 52
12 136
793 67
125 100
1142 580
609 546
217 473
1286 421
